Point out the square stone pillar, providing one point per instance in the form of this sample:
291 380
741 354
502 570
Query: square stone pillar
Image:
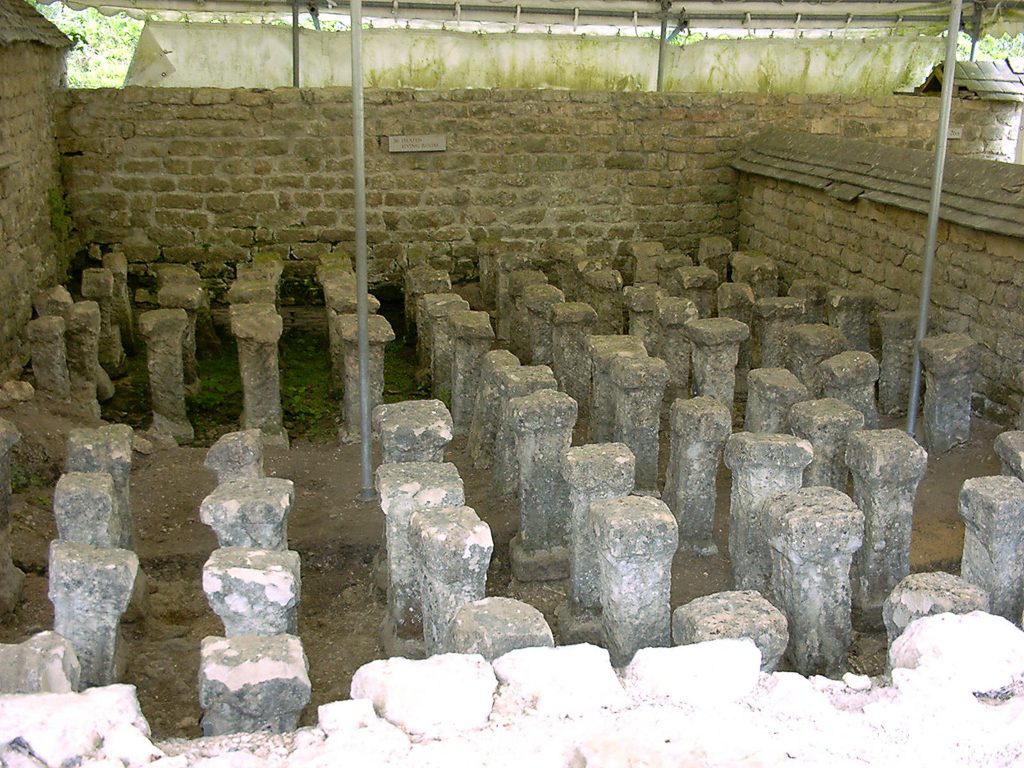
815 295
190 299
508 262
1009 447
401 490
773 317
250 513
472 337
699 285
257 328
107 449
593 472
379 333
540 300
435 339
700 426
813 533
716 342
339 286
53 302
11 578
745 613
453 550
564 258
926 594
636 539
49 356
807 347
513 382
164 331
495 626
83 506
639 388
518 320
887 465
762 465
826 424
771 392
850 312
421 280
673 344
236 456
641 305
254 591
667 264
898 330
851 377
604 350
993 512
98 286
483 429
714 252
642 264
82 338
571 326
950 362
602 289
736 300
488 251
413 430
542 423
757 271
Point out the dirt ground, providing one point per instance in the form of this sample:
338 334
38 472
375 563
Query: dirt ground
339 539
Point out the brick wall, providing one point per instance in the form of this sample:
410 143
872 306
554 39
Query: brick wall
978 283
214 176
29 76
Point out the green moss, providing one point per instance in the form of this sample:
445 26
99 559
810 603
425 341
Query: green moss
310 413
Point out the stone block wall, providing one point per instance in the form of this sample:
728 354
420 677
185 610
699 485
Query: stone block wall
30 187
213 176
978 284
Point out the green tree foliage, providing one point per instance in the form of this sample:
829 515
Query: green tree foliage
990 48
103 45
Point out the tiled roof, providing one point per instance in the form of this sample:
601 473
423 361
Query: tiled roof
979 194
994 80
21 23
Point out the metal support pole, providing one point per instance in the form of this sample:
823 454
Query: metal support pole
976 32
295 45
662 45
362 310
949 68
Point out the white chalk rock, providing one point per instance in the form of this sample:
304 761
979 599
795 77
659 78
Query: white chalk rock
432 697
129 746
969 653
565 680
61 727
718 671
346 716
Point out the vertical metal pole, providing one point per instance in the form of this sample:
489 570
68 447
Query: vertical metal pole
948 72
662 45
359 180
295 45
976 33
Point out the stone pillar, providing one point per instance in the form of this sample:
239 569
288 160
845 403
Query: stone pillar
699 285
401 490
603 352
887 465
190 299
593 472
98 286
674 345
571 326
49 356
250 513
826 424
539 300
771 392
636 538
542 423
508 263
252 684
488 251
641 304
519 321
254 591
379 333
736 300
950 362
757 271
90 588
434 338
1009 447
642 263
815 296
898 335
413 430
851 377
83 507
773 317
564 258
495 626
338 282
639 388
713 252
163 331
53 302
513 382
121 305
813 533
667 264
700 426
487 412
993 512
453 550
762 465
926 594
716 343
733 615
472 337
107 449
11 578
257 328
603 291
252 291
264 268
236 456
421 280
82 337
807 346
850 312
